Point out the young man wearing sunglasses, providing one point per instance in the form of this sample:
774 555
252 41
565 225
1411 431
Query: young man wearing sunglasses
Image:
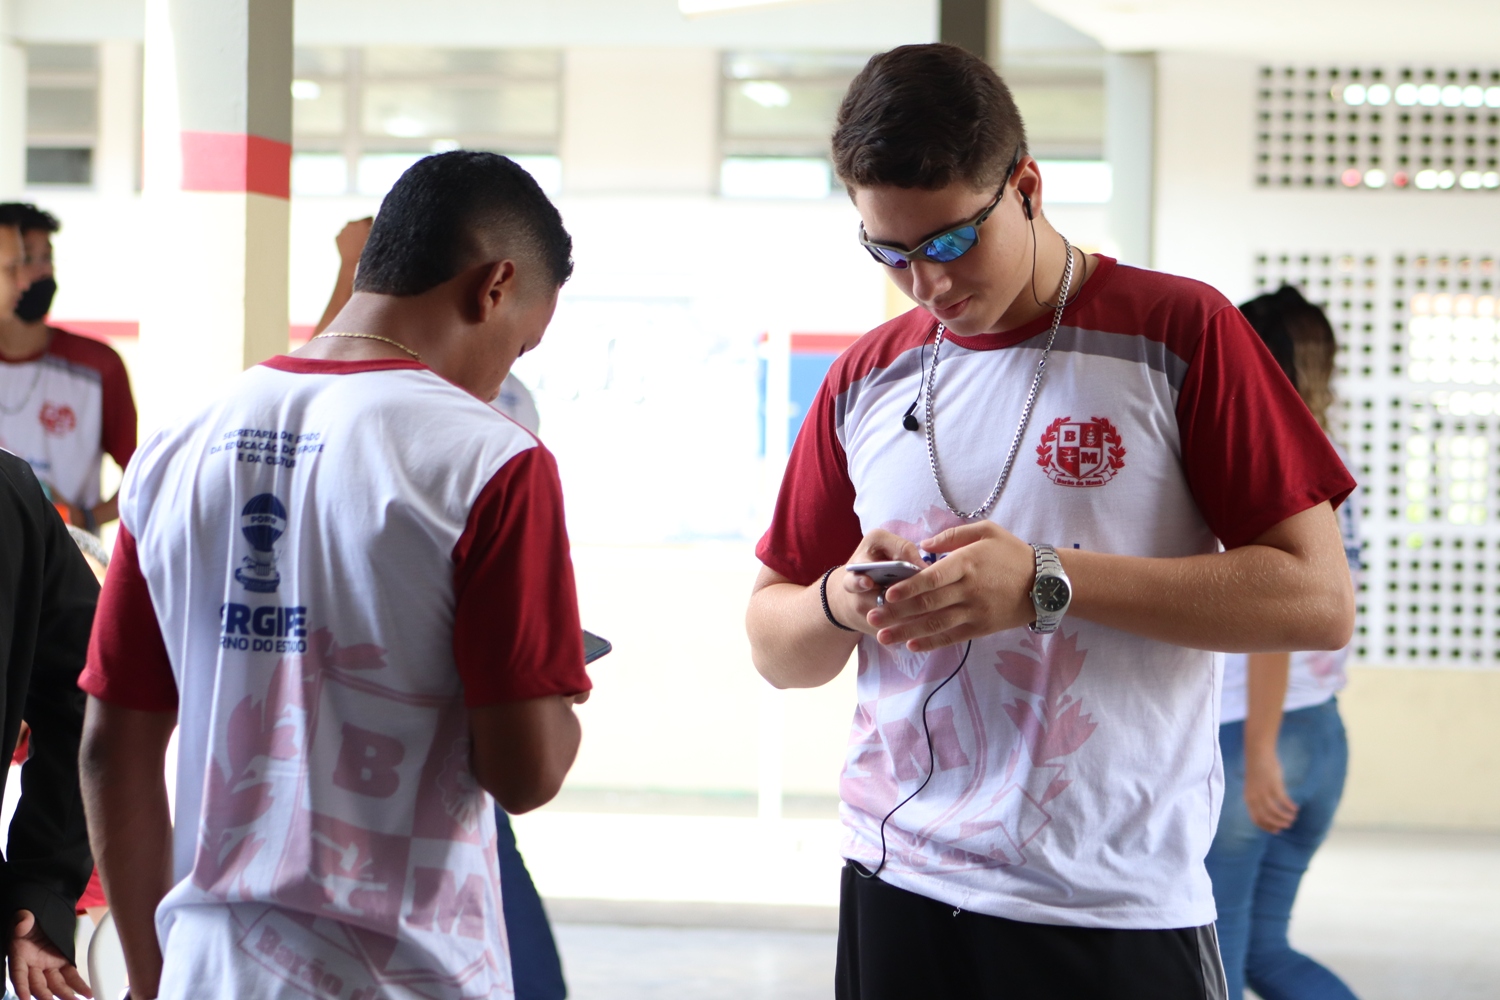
1103 475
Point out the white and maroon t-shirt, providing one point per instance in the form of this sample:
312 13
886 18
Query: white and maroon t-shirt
63 409
319 574
1314 676
1077 776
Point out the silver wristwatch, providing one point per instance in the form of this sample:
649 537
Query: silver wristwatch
1051 593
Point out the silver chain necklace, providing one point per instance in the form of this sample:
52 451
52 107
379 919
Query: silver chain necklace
1015 442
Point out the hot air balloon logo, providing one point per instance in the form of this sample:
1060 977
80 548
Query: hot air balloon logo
262 522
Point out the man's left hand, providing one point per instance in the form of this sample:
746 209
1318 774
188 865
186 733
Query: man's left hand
37 968
981 586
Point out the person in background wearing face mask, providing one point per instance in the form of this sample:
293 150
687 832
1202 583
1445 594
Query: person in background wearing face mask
64 399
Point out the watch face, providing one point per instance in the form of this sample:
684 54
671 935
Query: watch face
1051 594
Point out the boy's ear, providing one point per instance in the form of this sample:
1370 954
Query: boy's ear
496 281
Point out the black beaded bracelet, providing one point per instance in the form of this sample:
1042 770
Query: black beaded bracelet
827 611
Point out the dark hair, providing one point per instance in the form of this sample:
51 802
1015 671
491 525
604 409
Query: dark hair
924 116
1301 340
27 217
454 210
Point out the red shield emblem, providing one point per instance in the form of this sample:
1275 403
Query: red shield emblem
58 420
1081 452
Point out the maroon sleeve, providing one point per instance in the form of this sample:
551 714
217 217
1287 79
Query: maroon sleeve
118 434
1251 450
128 664
515 626
814 526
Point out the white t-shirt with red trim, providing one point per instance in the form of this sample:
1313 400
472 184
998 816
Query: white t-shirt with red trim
1077 776
64 409
1313 676
320 573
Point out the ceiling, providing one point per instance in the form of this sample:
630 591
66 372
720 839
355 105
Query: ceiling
859 25
1373 30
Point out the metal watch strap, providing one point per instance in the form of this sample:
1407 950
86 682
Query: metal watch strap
1047 563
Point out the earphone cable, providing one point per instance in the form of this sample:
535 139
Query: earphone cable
931 764
909 420
1070 248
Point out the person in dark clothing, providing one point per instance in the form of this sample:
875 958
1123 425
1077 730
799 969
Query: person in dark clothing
47 598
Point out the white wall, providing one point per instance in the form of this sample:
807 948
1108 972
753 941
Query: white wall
1422 745
643 120
1211 219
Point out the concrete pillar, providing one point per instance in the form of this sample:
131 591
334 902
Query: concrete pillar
640 120
12 106
1130 148
117 155
218 130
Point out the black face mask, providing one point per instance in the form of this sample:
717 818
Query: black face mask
36 301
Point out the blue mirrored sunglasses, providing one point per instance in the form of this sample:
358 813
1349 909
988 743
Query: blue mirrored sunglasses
948 245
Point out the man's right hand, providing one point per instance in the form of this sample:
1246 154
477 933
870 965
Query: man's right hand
852 596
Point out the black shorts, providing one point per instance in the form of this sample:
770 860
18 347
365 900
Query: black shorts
897 945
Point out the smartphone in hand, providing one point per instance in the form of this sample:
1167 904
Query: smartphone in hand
885 573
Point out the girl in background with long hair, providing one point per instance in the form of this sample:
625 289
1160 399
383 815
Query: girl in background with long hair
1285 754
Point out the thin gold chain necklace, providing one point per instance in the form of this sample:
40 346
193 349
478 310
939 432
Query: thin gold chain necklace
374 336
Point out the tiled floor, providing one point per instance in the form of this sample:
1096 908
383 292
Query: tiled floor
1400 916
1405 916
682 963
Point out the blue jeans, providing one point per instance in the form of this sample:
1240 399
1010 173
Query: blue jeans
534 964
1256 874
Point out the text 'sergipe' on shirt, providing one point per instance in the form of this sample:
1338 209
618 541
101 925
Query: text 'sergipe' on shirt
1077 776
320 574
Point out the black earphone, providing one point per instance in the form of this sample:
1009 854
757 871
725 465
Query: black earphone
1026 202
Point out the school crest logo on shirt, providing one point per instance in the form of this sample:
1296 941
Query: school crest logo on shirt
58 419
1081 452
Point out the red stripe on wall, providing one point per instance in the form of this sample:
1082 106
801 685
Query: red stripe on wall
822 343
230 161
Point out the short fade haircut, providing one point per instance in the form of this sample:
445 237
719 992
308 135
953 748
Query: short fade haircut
28 218
925 116
453 211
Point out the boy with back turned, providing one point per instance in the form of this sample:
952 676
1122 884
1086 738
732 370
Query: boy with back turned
348 583
1033 778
